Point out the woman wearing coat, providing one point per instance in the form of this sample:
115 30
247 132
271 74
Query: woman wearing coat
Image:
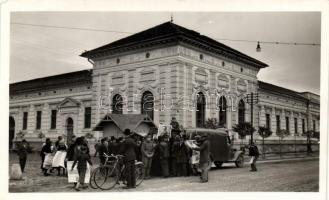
164 155
182 159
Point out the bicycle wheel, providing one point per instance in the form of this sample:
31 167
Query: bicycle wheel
105 177
91 180
139 169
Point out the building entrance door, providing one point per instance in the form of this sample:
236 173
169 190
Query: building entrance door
69 130
11 131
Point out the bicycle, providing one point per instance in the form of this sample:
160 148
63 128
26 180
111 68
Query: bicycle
113 172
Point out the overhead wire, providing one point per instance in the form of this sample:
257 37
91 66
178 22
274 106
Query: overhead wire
125 32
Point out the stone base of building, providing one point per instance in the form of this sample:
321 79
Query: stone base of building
273 145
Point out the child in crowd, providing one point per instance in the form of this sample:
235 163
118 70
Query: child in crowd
82 158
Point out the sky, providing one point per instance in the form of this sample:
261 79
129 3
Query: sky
44 51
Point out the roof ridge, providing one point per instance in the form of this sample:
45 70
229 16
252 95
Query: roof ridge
52 76
283 88
173 32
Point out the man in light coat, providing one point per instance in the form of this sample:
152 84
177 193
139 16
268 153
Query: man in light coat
204 162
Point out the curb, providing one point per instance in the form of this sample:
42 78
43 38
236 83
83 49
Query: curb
288 160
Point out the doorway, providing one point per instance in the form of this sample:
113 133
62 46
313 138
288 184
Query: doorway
69 130
11 131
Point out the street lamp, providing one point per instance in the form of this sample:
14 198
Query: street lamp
252 99
258 49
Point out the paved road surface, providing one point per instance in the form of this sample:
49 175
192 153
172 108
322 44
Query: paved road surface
283 176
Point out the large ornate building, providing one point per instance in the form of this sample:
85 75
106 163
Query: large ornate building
165 71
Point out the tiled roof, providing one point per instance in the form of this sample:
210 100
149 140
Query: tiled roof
280 90
123 121
170 32
50 82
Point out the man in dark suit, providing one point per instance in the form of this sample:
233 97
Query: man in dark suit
111 145
204 162
254 154
128 150
23 149
103 149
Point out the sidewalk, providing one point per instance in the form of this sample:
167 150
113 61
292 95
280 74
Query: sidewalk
289 159
272 158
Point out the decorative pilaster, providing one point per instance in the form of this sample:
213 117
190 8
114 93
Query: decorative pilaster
31 120
273 120
45 120
300 124
229 118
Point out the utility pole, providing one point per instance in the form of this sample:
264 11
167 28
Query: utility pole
252 99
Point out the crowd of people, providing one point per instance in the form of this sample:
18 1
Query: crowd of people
171 153
167 155
55 157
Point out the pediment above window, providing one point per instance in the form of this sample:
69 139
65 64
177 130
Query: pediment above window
222 81
69 103
201 76
242 85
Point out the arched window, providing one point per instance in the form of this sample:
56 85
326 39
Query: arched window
222 111
241 111
147 104
201 110
117 104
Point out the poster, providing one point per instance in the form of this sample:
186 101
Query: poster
164 129
195 154
73 175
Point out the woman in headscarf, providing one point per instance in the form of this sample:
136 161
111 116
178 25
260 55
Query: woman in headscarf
59 158
46 150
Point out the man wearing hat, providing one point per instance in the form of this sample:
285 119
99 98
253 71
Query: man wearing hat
128 150
23 149
164 154
204 162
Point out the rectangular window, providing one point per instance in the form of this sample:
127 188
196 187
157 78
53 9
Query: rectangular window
268 121
287 125
38 125
87 117
53 119
278 123
296 125
314 126
303 125
25 115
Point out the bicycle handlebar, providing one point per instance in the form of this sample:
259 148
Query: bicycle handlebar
113 156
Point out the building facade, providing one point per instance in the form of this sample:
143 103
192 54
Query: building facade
165 71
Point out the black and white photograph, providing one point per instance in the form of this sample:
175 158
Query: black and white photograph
164 101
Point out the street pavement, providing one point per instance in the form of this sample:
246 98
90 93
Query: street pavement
301 175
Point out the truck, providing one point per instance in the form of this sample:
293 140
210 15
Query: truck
221 146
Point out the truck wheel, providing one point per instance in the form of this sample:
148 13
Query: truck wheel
239 161
218 164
